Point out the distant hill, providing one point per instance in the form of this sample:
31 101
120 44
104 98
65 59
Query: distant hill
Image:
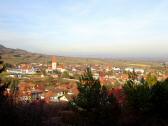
16 56
2 47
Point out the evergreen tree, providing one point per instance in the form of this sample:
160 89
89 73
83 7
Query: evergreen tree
89 91
7 111
94 101
3 85
14 86
132 75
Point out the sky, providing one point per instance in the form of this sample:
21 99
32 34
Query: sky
101 28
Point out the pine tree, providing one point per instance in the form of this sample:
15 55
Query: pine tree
94 101
7 114
89 91
132 75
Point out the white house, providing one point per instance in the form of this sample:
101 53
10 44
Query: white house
137 70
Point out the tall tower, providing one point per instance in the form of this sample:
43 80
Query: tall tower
54 63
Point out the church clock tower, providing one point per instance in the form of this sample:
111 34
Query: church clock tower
54 63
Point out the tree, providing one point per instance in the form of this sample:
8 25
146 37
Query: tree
137 96
159 97
8 65
94 102
147 102
151 79
3 85
132 75
50 81
65 74
7 111
14 86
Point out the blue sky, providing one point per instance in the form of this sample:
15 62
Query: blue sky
107 28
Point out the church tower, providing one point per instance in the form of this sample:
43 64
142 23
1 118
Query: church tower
54 63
